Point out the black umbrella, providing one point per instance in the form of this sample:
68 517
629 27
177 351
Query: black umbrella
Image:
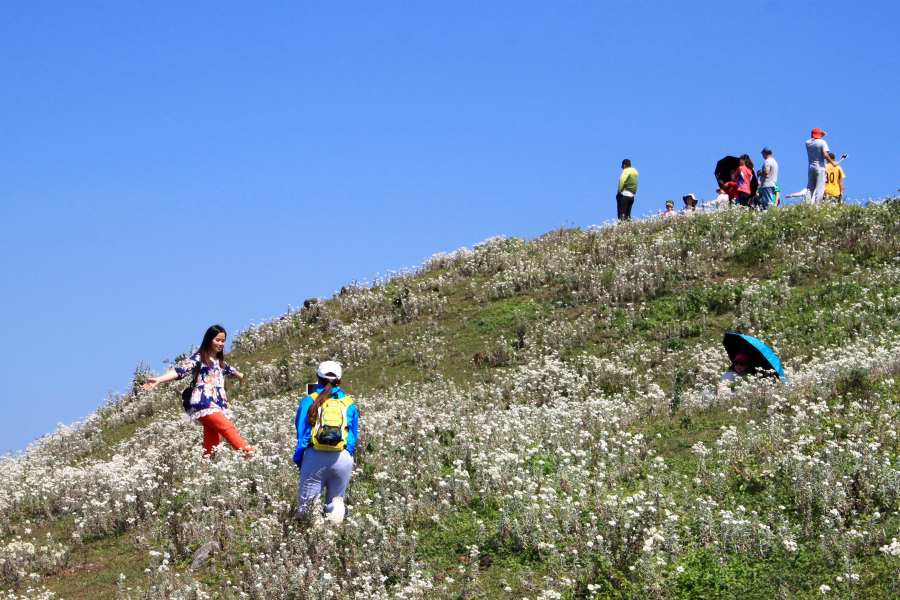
724 168
723 172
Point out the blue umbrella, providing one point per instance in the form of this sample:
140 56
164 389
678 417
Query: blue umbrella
761 356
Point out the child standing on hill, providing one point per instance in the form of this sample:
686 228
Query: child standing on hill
327 425
209 403
670 209
834 182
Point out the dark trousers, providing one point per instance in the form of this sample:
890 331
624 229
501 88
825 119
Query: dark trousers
624 205
745 199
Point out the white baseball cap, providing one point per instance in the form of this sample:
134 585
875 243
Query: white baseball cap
329 366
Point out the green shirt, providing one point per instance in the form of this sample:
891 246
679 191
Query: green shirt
628 181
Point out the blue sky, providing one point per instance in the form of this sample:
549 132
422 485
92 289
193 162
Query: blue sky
166 166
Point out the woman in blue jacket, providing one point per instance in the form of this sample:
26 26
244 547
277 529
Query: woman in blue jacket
327 425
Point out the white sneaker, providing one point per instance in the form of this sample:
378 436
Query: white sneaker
336 515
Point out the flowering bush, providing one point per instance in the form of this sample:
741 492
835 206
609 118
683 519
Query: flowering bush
591 447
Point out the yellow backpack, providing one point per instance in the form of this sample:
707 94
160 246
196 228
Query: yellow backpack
329 433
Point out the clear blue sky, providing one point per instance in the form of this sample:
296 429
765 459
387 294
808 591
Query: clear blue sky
166 166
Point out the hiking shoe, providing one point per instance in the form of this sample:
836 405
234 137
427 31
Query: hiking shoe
338 511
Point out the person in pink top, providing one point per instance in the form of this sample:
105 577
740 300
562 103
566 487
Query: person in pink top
670 210
743 175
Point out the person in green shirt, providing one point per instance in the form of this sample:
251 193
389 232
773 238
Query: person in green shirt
776 195
628 184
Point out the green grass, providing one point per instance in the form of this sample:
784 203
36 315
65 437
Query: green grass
95 567
781 576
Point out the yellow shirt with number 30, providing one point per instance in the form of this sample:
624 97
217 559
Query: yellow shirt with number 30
833 183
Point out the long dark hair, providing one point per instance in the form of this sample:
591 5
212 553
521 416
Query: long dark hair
313 413
747 162
206 346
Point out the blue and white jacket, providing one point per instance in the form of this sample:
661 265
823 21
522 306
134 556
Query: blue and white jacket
304 429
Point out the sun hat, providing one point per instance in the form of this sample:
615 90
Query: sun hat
670 203
742 358
329 366
817 133
767 150
692 197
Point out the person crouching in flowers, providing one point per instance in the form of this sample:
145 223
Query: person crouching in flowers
738 370
209 403
327 425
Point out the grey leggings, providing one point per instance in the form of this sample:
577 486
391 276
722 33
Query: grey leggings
816 184
319 469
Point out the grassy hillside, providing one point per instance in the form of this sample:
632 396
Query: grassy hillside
588 455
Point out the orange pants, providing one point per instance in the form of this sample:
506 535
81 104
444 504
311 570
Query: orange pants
215 427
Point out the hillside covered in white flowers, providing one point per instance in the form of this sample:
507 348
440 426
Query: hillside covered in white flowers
538 419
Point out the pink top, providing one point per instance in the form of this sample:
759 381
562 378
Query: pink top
743 176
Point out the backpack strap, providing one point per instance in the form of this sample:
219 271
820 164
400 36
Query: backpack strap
196 373
309 444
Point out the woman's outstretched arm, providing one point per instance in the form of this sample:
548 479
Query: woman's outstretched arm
171 375
232 372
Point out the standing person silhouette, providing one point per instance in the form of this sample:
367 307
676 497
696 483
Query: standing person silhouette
768 175
209 403
628 184
818 154
327 425
743 176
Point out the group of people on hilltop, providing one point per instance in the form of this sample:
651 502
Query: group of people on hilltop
825 182
327 424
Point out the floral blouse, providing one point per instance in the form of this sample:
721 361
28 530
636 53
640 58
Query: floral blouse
209 395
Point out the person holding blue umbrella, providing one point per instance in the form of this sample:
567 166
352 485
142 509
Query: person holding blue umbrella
758 357
737 371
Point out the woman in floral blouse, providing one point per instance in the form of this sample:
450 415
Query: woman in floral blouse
209 404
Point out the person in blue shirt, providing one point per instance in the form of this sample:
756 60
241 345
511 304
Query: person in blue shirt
324 462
